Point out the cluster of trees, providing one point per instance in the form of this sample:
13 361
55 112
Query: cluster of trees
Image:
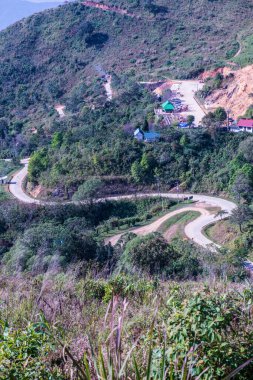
153 256
99 144
242 190
38 240
215 119
211 84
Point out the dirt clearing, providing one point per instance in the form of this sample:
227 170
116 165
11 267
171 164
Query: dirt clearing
60 109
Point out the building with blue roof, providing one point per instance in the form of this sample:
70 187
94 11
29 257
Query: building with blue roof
149 137
183 125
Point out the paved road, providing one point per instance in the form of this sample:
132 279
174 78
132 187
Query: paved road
193 230
16 188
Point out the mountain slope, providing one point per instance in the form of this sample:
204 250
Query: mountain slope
45 56
14 10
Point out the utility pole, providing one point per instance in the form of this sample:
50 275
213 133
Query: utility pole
228 113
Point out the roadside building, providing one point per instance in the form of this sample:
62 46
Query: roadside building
168 107
245 125
146 136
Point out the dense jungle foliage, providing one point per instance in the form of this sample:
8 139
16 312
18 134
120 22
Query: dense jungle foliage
38 240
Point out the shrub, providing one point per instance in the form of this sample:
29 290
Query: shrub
24 353
150 254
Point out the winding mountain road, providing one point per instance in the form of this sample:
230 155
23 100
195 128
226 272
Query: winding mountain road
193 230
16 185
153 227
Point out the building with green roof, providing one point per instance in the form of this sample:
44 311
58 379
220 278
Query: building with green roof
168 107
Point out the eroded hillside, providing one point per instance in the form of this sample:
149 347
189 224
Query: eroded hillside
236 92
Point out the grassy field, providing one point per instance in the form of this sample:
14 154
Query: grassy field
179 221
246 55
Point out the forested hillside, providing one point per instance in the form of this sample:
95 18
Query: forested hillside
53 55
100 144
59 56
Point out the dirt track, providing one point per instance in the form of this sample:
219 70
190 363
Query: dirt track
108 88
153 227
61 110
106 8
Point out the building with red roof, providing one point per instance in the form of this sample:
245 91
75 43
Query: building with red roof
245 125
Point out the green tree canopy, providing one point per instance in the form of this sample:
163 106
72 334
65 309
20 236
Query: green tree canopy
249 112
220 114
50 246
88 190
246 149
38 162
241 215
150 254
190 119
241 188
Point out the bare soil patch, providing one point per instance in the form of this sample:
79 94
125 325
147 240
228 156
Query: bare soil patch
171 232
236 94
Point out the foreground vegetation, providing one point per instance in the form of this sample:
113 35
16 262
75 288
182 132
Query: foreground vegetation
123 327
74 308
